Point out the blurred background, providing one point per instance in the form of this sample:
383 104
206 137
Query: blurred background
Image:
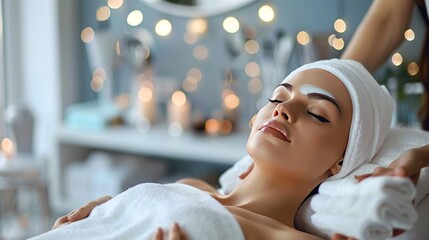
97 96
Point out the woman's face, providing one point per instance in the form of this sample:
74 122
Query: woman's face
304 128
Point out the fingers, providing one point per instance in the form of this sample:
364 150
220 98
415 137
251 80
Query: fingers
83 212
60 222
175 233
379 171
80 213
159 235
360 178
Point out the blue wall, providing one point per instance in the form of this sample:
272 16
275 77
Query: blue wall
172 57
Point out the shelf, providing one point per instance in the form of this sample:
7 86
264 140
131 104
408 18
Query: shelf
73 145
158 143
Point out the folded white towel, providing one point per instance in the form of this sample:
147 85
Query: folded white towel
372 110
397 187
139 211
354 227
379 208
399 140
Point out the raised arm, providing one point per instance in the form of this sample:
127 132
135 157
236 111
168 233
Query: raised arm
380 32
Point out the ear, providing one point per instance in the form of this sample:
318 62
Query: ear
336 167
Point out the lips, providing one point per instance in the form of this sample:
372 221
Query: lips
275 129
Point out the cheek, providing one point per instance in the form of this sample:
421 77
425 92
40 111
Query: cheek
323 147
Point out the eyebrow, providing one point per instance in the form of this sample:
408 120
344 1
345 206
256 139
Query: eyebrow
315 96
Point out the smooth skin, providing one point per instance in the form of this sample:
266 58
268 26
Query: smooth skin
287 171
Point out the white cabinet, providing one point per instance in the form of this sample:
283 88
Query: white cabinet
70 145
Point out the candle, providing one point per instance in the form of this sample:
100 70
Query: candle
178 110
146 102
7 148
230 106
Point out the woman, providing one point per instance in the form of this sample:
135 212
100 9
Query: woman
309 131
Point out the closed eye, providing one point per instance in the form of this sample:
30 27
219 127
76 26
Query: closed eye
274 101
318 117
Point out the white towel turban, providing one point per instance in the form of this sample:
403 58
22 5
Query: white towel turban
372 110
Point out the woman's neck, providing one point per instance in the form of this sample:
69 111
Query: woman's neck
276 197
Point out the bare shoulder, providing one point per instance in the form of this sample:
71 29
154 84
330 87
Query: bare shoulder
198 183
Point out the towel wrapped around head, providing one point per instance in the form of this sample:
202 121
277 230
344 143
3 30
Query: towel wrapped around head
372 110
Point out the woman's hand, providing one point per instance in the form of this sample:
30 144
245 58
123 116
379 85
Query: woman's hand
408 164
80 213
175 233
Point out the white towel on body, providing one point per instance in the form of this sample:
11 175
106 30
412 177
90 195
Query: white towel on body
381 208
358 228
372 110
139 211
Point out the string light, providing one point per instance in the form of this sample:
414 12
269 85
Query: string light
115 4
195 73
303 38
409 35
397 59
87 35
200 52
123 101
251 46
252 69
413 69
197 26
331 39
254 85
103 13
338 43
135 18
340 25
190 38
190 84
231 25
266 13
212 126
232 101
97 84
98 78
163 28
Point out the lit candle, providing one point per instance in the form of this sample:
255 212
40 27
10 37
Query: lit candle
230 106
147 103
7 148
178 110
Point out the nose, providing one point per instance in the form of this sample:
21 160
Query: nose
284 112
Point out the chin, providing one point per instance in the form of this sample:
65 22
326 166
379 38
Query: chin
262 146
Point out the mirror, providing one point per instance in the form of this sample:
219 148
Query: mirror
196 8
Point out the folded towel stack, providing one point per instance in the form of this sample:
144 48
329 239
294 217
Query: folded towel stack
366 210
